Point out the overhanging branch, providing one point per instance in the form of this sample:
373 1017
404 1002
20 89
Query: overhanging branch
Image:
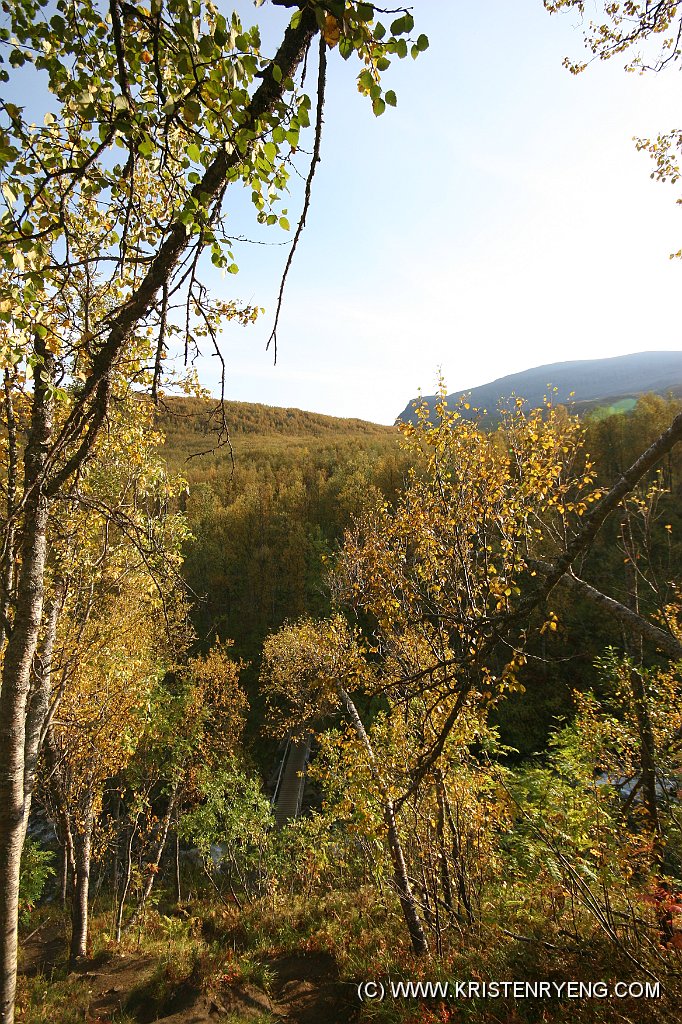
634 622
593 522
90 410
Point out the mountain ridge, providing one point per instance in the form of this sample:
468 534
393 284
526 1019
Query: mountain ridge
592 382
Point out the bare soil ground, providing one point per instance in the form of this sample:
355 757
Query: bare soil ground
305 989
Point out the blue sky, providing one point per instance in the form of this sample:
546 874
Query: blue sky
499 218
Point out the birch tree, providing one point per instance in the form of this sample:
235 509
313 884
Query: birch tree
178 95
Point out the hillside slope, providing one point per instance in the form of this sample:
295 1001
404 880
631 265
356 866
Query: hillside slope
191 428
593 382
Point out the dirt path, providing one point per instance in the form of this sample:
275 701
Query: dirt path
111 984
305 989
42 950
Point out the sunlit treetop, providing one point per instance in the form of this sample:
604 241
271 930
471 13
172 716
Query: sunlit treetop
150 114
653 30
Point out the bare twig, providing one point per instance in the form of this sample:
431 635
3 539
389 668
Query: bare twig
321 83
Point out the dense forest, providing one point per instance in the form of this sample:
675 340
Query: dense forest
492 782
268 510
304 719
266 526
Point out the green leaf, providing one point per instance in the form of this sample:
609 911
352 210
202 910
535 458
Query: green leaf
284 223
391 98
193 152
220 33
277 72
206 46
423 42
191 111
365 80
378 106
365 12
146 147
233 268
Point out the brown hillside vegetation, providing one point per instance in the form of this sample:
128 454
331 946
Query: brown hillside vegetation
267 509
192 427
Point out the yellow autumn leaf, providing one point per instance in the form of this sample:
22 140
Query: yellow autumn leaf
331 31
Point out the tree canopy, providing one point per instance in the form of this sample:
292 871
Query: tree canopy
113 194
